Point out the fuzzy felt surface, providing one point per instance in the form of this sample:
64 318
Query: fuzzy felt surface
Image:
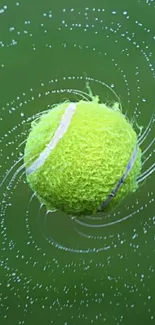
88 161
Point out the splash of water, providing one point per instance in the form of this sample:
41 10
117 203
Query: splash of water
51 55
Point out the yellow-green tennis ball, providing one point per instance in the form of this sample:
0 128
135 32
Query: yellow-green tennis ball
81 157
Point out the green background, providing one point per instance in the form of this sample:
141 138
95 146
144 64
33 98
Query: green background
52 270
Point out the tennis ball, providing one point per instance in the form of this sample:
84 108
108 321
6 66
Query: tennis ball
82 157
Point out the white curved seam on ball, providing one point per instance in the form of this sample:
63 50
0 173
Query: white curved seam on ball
61 130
